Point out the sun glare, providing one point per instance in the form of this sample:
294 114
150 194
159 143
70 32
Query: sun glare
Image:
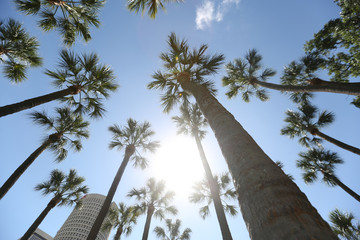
178 163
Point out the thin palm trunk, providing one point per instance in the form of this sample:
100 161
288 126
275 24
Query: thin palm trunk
109 197
32 102
272 206
22 168
150 212
41 217
338 143
319 86
343 186
214 190
118 233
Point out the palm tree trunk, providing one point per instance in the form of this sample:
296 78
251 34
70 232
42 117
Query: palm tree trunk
150 212
118 233
320 86
130 149
338 143
272 206
32 102
21 169
343 186
225 230
41 217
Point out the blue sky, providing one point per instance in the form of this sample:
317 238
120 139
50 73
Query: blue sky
130 44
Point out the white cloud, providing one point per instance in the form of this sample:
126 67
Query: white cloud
206 14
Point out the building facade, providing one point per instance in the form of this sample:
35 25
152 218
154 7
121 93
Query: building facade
77 226
40 235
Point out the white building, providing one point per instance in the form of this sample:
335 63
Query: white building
77 226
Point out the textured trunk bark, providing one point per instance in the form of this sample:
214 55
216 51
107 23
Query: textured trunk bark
21 169
272 206
322 86
150 212
32 102
118 233
214 189
344 187
130 149
41 217
338 143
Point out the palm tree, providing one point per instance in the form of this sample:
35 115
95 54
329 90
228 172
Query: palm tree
268 198
66 190
191 121
151 6
70 18
173 230
18 50
122 218
243 71
154 201
241 76
316 161
79 75
343 226
303 122
133 137
68 129
202 194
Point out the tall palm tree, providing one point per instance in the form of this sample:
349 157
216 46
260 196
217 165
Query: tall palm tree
70 18
240 77
68 129
303 122
82 76
66 190
342 225
316 161
203 194
191 121
123 219
133 137
18 50
154 201
270 202
173 230
151 6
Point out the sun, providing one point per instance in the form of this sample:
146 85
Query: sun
178 163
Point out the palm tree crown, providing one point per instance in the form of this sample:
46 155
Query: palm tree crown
17 50
182 64
314 161
122 218
342 225
152 6
91 81
241 74
68 129
70 18
154 195
191 121
68 189
136 135
202 193
173 230
301 123
299 73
